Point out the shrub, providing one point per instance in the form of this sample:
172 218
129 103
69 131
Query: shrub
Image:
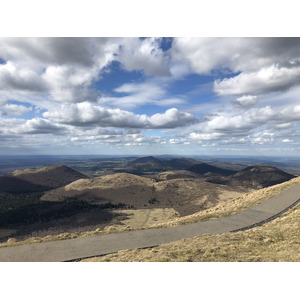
153 200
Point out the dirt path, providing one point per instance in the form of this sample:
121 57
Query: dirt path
103 244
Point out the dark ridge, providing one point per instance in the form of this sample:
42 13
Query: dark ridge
205 169
143 160
258 176
181 163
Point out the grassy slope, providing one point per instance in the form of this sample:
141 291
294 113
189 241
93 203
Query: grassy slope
278 240
228 208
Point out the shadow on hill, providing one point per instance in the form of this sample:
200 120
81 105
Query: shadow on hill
258 176
40 179
29 216
10 184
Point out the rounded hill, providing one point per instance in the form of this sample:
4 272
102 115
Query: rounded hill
38 179
258 176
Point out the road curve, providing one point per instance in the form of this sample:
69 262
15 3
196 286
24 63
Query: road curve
68 250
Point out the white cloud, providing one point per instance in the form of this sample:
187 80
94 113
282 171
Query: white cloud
69 84
254 126
203 55
41 126
266 80
87 114
61 67
58 75
15 110
14 77
262 138
41 52
171 118
144 55
150 92
245 102
286 141
205 136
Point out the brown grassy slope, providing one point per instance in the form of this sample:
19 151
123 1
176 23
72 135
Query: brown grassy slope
39 179
163 176
185 195
278 240
223 209
233 205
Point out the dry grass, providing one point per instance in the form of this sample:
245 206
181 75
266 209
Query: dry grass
229 207
276 241
144 218
33 171
109 181
232 206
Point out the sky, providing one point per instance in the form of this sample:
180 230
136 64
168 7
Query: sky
126 96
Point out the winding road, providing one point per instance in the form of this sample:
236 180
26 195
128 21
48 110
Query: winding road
73 249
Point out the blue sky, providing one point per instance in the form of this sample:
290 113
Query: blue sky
184 96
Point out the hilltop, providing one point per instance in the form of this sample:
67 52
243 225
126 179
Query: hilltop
258 176
209 170
38 179
146 160
185 195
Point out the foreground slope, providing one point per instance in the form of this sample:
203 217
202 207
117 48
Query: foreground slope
277 240
272 242
39 179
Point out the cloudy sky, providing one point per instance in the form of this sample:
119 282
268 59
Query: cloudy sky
185 96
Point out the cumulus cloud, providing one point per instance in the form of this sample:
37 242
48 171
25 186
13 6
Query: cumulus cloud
64 68
266 80
13 77
245 102
15 110
253 66
171 118
69 84
144 55
41 126
86 114
59 76
253 126
37 52
203 55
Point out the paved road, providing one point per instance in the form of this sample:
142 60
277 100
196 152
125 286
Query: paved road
103 244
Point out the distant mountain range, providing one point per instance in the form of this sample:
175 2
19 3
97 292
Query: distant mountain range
55 176
152 164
